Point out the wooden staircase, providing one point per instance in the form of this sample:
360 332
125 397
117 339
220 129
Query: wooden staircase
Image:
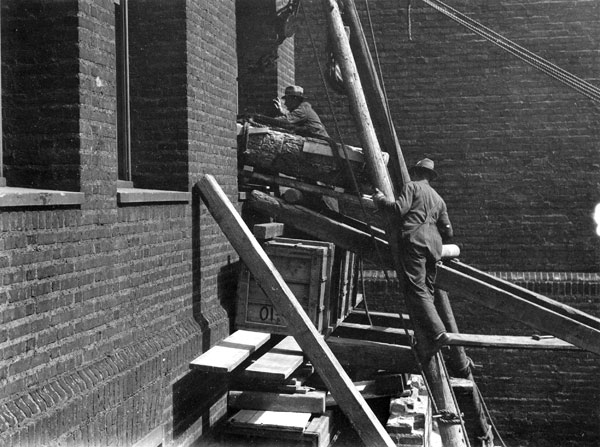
268 403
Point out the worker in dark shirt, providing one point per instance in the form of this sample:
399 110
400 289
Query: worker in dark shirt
299 113
422 222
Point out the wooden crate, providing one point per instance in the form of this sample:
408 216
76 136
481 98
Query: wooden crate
305 266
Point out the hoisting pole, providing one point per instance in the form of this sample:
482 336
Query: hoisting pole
376 96
434 371
358 102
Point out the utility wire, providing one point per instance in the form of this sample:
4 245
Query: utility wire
552 70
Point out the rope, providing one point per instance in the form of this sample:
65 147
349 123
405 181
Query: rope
569 79
362 284
379 69
459 416
488 415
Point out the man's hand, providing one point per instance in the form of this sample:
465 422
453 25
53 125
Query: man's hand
378 197
280 106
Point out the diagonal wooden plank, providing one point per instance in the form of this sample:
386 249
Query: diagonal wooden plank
527 294
339 384
518 308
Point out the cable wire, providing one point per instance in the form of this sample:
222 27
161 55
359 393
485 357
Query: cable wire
552 70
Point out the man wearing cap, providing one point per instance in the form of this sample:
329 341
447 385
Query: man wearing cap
299 113
423 223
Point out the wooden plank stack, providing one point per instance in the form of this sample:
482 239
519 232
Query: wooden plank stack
275 407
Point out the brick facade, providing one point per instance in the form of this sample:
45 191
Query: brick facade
103 305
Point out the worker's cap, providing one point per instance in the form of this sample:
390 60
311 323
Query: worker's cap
294 90
424 165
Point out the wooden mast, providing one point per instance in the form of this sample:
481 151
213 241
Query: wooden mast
376 96
358 102
433 368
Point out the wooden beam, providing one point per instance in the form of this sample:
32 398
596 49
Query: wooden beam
387 319
380 334
382 386
311 402
329 368
366 354
357 100
510 342
375 95
543 319
344 235
321 227
522 292
460 365
288 182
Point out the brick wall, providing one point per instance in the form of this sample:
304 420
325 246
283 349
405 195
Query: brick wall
535 396
103 306
517 151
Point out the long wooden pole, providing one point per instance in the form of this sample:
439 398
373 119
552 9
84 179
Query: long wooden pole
358 102
376 95
433 368
462 367
330 370
371 246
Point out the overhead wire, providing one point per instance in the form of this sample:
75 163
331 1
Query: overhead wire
536 61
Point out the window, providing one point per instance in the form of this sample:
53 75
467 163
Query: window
2 179
123 105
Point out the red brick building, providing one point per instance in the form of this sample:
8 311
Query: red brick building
114 275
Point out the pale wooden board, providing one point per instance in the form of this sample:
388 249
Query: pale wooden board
274 365
289 345
509 341
278 420
280 362
229 353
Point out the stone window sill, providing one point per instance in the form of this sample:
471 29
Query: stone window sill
132 196
24 197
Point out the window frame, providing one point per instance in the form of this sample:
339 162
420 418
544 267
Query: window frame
123 94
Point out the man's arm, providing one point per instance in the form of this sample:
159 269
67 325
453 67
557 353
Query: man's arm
401 206
443 224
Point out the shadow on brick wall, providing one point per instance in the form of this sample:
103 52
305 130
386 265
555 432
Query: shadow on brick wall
198 396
